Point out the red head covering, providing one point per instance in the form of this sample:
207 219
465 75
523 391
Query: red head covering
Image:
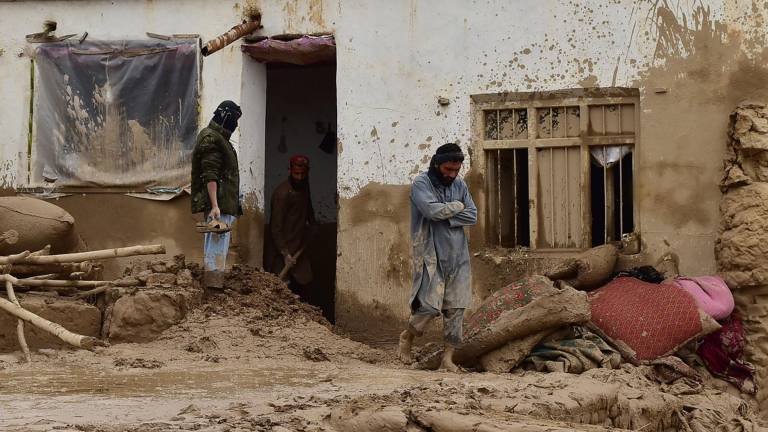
299 160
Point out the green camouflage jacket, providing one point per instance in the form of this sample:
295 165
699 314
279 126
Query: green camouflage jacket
214 159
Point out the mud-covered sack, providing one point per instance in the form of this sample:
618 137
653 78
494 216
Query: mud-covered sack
588 270
645 321
512 296
35 223
531 305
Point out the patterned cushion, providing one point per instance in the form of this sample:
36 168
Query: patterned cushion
513 296
646 321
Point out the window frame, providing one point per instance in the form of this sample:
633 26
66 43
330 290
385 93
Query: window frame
531 101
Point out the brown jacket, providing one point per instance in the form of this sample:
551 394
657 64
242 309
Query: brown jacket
290 224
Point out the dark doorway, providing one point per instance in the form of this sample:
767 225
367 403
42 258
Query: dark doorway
301 119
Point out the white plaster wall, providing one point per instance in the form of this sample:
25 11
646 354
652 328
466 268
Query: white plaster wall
221 73
252 128
395 61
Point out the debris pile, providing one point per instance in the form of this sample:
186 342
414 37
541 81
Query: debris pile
60 274
161 295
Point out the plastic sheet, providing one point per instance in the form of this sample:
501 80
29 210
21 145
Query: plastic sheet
115 114
606 156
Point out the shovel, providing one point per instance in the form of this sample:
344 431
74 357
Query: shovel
288 266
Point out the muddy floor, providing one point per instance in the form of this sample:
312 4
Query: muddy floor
260 360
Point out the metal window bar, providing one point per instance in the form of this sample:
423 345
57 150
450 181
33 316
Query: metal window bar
515 187
498 193
567 199
621 185
605 189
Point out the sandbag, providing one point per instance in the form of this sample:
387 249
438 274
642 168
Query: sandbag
554 308
38 223
588 270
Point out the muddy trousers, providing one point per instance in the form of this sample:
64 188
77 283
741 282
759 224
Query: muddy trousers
215 248
453 322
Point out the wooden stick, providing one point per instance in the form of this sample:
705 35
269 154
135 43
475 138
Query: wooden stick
94 291
45 276
42 252
19 323
88 256
10 259
62 291
74 339
72 283
39 269
287 267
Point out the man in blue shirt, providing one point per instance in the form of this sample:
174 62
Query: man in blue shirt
441 207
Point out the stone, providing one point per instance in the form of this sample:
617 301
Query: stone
76 316
142 276
184 278
142 317
161 279
159 267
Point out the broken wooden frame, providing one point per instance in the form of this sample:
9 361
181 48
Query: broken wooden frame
70 264
535 155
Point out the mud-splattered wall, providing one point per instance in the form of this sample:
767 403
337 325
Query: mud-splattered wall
692 60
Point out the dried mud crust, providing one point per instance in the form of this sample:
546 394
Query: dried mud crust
256 316
526 401
262 297
204 374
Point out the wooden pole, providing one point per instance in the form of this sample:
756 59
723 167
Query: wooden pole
44 251
19 323
287 267
74 339
72 283
87 256
58 268
10 259
94 291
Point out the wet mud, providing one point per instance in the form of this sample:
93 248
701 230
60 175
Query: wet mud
255 358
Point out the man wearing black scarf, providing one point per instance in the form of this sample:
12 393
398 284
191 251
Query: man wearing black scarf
216 187
441 206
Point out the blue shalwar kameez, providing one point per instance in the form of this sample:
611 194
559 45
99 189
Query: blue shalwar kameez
441 265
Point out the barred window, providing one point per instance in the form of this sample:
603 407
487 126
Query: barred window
558 166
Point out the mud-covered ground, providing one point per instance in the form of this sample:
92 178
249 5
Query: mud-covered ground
258 359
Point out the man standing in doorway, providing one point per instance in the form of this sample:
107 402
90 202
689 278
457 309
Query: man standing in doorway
292 222
216 187
441 207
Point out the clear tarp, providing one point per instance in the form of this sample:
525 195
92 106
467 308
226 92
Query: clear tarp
606 156
119 115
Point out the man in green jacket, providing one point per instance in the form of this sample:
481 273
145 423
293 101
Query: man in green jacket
216 187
